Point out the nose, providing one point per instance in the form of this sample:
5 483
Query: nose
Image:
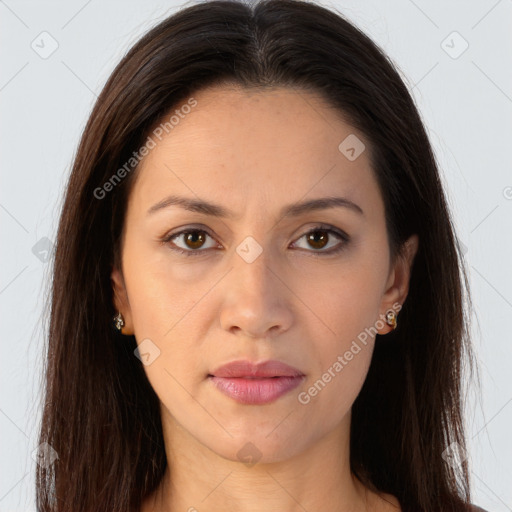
256 298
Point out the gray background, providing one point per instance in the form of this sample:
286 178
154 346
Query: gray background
465 98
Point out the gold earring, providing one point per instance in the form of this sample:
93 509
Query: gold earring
119 321
391 319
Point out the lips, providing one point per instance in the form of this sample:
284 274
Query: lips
247 369
256 384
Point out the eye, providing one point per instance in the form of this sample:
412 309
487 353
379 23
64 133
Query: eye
192 239
320 236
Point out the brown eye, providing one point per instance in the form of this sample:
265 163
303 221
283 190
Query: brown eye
318 239
194 239
191 242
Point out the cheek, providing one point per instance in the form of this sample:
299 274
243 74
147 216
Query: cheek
164 311
343 302
163 292
346 312
339 373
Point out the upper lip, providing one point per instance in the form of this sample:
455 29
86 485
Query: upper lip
244 368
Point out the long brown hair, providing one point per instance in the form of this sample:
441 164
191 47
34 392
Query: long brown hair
100 414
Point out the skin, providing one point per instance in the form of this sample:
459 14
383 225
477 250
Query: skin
253 152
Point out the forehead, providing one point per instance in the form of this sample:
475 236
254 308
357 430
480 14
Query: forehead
256 145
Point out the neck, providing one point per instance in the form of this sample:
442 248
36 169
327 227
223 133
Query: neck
318 478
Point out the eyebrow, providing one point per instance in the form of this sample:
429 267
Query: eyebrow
292 210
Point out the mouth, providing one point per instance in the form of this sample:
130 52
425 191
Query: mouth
255 390
256 384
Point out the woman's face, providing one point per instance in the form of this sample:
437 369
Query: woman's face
260 283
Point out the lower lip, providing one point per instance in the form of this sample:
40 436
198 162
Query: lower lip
256 391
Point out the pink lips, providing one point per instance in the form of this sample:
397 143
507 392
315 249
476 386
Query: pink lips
256 384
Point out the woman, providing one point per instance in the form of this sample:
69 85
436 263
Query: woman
257 293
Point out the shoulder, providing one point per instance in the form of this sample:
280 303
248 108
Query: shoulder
475 508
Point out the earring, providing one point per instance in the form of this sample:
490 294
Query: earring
119 321
391 319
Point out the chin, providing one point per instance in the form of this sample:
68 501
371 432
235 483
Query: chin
259 447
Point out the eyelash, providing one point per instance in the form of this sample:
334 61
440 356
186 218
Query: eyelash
319 253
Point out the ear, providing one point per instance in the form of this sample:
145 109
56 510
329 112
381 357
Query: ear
121 302
397 286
